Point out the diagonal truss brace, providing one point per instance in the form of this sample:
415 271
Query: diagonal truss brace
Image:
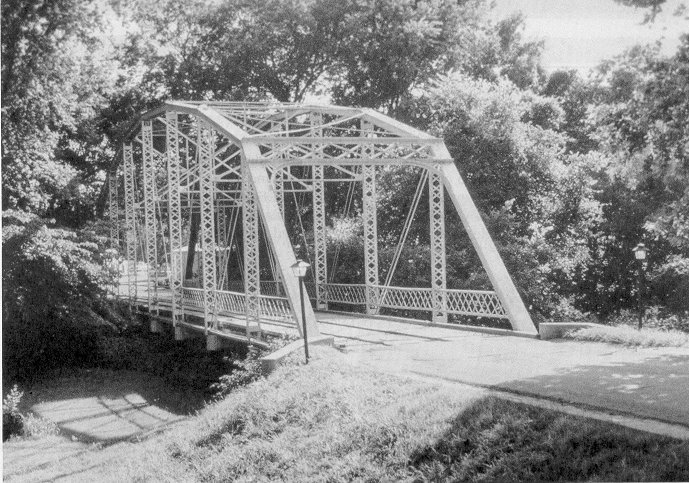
278 238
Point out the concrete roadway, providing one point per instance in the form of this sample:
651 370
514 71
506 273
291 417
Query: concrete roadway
642 382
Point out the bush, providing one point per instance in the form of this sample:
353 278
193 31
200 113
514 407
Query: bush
12 421
54 304
244 372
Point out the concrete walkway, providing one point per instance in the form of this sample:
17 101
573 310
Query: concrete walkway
645 382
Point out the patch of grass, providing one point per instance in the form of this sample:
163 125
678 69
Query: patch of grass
630 336
497 440
38 427
328 421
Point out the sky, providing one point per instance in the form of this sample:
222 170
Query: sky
578 34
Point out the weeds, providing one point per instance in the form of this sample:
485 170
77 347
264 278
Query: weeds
14 423
12 420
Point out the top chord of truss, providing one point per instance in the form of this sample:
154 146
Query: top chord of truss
288 120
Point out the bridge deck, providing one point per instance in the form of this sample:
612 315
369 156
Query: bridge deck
350 330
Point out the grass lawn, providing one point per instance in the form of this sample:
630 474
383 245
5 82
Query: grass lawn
329 421
630 336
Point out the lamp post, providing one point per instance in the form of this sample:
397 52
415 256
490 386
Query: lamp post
640 253
299 270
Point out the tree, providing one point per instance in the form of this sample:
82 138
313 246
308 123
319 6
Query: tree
368 53
56 73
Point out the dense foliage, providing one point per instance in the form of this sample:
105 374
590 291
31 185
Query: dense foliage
570 172
53 302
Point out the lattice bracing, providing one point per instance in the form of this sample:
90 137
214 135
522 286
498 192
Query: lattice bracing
370 238
207 189
479 303
113 210
436 197
130 220
220 157
319 235
149 175
252 280
174 217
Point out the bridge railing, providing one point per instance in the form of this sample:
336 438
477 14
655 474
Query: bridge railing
272 307
481 303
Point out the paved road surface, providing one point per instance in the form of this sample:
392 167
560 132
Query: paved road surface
645 382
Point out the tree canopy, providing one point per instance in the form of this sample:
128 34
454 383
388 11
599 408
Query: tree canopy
570 172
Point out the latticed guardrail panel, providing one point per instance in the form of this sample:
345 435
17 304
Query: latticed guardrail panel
235 302
406 298
345 293
473 302
460 302
268 287
193 297
275 308
231 301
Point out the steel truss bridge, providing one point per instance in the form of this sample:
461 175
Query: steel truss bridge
203 198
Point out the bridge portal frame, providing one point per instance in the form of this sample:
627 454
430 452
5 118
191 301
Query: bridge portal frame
242 154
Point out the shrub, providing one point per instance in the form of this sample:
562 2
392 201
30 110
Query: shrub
244 372
12 421
54 304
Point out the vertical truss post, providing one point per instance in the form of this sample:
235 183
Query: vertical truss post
113 215
206 146
252 280
174 210
150 214
130 221
319 235
370 226
370 239
279 187
113 210
436 196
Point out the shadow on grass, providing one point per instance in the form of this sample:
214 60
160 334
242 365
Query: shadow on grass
498 440
141 383
106 406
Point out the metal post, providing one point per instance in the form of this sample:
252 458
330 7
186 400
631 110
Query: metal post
149 214
130 221
319 237
642 289
303 317
174 218
206 146
369 215
370 239
252 280
436 197
113 214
